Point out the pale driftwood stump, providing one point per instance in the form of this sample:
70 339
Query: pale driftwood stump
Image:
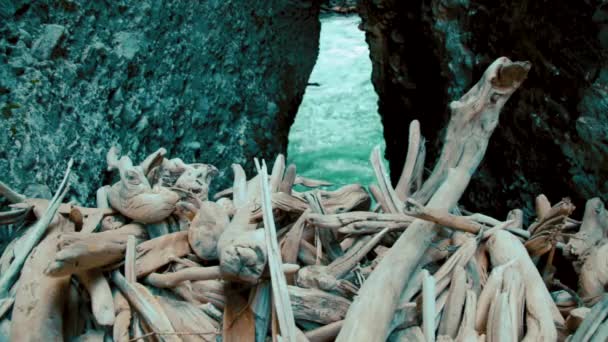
473 120
241 247
206 229
133 196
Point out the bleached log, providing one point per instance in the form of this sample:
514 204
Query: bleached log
391 200
192 322
501 326
38 311
317 306
158 252
452 314
466 331
542 314
238 320
347 198
328 240
144 303
490 291
334 221
196 179
473 119
80 252
289 179
513 286
102 303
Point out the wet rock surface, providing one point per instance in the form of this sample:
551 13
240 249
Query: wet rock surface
552 135
214 81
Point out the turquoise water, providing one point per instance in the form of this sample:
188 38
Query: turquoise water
337 124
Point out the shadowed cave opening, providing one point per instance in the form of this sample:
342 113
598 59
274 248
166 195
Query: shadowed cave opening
337 123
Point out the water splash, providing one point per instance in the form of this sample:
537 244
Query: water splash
337 124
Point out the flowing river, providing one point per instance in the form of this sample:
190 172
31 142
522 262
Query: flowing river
337 124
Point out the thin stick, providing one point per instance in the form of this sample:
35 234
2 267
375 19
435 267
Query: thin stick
391 198
102 303
131 276
155 333
288 179
428 306
441 217
413 146
10 194
280 293
12 216
377 193
130 260
326 236
172 279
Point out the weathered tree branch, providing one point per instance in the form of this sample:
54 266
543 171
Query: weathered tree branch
473 120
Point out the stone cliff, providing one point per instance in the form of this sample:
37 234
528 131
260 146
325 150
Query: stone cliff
212 81
553 134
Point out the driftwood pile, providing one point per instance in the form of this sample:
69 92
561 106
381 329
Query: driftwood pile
157 259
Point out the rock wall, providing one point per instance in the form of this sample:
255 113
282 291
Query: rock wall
553 134
212 81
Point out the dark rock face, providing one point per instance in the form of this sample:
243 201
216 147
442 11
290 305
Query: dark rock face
553 134
212 81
